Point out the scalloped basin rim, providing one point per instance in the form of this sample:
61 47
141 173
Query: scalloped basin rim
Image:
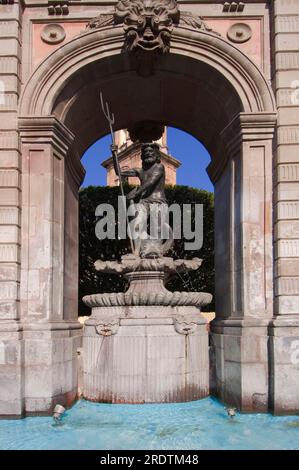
172 299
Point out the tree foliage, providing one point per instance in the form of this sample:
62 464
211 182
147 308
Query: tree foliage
91 249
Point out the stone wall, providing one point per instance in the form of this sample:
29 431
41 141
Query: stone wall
228 105
11 345
284 332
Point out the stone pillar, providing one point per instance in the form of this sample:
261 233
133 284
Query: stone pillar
284 331
74 173
244 262
50 341
11 399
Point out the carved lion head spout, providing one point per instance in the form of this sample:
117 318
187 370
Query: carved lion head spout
148 25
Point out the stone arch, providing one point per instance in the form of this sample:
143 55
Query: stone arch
239 109
248 81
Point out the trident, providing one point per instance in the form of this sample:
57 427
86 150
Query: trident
111 121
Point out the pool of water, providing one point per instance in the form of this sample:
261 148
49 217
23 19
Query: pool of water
196 425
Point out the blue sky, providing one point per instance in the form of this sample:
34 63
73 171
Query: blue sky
192 154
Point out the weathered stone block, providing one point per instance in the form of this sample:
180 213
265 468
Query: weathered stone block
287 267
9 215
287 191
286 61
152 361
254 349
288 210
9 290
287 24
288 304
9 309
285 78
288 116
287 42
9 29
9 253
9 234
285 397
9 65
9 140
287 229
287 286
10 11
287 248
9 46
232 348
9 178
288 154
9 159
286 7
9 272
255 387
9 196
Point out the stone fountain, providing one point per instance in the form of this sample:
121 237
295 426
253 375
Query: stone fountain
146 345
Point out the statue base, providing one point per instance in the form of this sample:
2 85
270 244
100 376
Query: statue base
145 354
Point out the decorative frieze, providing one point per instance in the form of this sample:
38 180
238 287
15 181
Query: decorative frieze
9 47
58 7
288 135
287 42
233 7
9 29
9 65
9 253
9 102
288 210
288 172
288 305
9 178
285 97
9 234
9 196
9 159
287 60
9 216
287 286
287 24
9 140
288 248
9 290
286 7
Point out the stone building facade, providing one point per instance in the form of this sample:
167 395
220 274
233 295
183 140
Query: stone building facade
233 84
130 157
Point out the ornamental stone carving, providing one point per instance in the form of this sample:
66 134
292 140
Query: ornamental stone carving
107 326
148 26
53 33
239 32
187 325
165 299
58 7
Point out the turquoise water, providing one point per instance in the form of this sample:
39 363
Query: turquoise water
196 425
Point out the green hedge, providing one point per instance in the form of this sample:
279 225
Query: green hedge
91 249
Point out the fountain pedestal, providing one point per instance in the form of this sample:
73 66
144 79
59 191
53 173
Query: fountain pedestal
147 345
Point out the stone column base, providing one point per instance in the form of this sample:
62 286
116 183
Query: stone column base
284 365
145 354
240 355
38 367
11 370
